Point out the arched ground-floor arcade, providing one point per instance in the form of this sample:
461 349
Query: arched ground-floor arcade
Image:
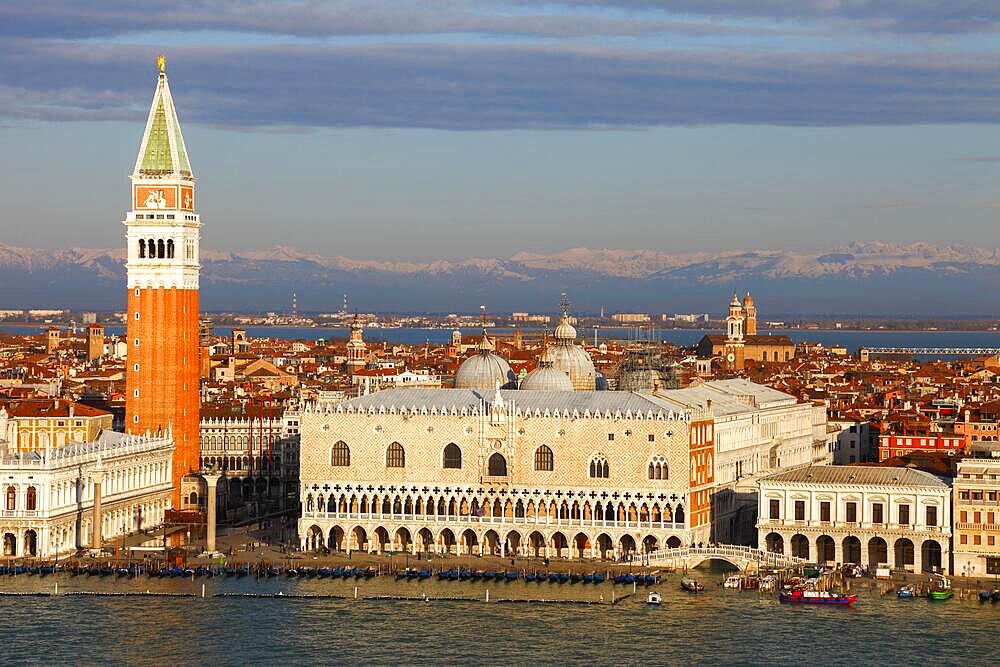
491 539
913 551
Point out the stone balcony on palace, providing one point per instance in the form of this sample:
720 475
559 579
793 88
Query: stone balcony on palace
986 527
786 524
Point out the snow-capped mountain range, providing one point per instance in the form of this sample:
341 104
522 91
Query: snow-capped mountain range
871 278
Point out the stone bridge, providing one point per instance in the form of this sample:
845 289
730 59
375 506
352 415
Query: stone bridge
745 558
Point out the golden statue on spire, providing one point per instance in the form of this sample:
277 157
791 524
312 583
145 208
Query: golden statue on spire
161 63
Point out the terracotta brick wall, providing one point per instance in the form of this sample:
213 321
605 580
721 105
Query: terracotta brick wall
168 368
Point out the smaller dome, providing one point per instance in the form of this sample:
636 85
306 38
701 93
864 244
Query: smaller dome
485 344
565 330
547 378
483 371
747 300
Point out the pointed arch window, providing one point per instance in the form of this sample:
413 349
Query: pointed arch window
497 465
395 456
599 468
658 468
341 454
452 456
544 459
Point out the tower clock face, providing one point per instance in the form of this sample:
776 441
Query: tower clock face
730 357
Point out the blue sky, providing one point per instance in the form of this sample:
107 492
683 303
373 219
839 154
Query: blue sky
420 130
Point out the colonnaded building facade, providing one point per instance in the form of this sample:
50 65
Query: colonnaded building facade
56 501
595 474
874 516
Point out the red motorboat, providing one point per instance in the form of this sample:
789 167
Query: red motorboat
816 597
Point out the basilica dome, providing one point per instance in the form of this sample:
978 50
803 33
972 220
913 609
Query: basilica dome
571 358
546 378
484 370
565 330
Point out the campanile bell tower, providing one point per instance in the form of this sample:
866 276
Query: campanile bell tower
162 233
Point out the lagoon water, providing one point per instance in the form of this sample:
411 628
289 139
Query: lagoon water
718 627
415 336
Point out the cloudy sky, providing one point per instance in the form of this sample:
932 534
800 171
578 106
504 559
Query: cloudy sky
445 129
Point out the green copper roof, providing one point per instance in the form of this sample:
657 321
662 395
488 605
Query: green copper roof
157 158
182 154
163 138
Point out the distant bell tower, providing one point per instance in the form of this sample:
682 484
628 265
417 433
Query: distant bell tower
357 349
95 342
52 340
734 347
749 315
162 233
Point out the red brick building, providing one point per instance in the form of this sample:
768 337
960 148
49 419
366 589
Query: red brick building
892 445
702 471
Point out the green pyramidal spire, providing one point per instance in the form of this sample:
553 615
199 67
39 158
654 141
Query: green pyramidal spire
162 152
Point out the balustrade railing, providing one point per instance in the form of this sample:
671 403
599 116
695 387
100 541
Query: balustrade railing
726 551
566 522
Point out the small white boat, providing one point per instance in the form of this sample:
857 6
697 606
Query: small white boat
733 581
653 598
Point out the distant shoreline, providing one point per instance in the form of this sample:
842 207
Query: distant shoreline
602 327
